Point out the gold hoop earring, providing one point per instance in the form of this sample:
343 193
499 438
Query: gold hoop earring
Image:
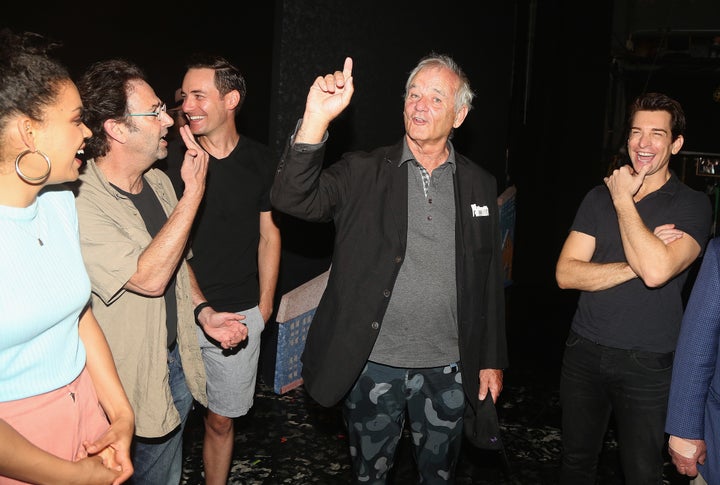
32 180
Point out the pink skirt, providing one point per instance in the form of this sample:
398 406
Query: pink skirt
58 421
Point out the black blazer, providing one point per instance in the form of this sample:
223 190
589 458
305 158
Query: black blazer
365 195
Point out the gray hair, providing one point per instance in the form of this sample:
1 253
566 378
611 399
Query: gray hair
463 96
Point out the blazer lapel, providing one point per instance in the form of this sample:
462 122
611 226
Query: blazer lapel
397 203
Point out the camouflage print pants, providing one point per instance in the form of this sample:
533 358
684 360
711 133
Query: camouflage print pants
375 412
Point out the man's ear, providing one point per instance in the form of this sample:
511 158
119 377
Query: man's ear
232 99
460 116
677 144
116 130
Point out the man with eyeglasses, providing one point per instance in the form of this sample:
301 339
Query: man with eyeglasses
134 233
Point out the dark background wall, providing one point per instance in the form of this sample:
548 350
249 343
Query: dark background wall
552 77
158 35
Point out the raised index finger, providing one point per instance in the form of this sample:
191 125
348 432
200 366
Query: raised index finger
347 68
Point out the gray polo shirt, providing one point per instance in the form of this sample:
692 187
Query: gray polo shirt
420 325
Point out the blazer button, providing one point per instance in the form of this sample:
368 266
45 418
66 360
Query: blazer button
398 259
386 293
375 325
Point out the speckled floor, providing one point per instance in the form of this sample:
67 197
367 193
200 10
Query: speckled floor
289 439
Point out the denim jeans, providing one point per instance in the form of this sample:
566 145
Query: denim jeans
632 385
375 410
158 461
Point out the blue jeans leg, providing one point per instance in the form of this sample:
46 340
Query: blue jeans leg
158 461
597 381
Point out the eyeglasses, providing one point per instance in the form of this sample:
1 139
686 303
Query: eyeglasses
157 113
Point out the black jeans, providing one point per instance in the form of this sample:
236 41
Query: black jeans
633 385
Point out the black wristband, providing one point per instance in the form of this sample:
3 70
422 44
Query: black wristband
198 309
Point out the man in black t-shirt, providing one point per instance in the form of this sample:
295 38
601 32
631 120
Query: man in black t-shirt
235 244
628 251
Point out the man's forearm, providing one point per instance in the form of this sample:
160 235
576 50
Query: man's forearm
268 273
588 276
645 252
160 259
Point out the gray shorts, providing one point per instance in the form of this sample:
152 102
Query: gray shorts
231 374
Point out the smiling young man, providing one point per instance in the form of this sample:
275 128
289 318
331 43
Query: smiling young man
235 243
628 252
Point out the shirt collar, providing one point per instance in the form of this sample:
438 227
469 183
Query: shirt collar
407 155
672 184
